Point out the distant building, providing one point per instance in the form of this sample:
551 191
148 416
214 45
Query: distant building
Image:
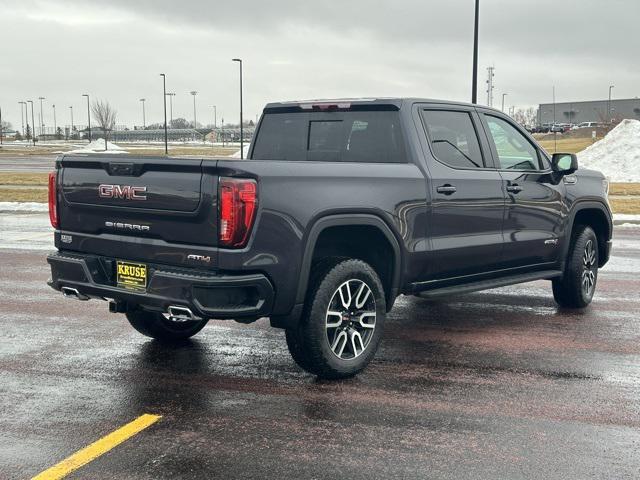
589 111
9 133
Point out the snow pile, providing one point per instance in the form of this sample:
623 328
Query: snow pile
617 155
246 152
97 146
23 207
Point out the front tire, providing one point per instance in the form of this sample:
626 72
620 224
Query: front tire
342 323
576 287
156 325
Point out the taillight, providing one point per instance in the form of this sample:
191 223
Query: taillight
53 199
238 199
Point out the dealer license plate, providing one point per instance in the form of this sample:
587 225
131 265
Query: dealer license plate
132 276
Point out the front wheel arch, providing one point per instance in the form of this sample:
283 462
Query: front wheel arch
595 215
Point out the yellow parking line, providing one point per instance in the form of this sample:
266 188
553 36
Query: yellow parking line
97 448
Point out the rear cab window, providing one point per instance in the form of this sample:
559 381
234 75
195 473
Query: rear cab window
364 136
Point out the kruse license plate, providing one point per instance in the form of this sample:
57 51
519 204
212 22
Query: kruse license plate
131 275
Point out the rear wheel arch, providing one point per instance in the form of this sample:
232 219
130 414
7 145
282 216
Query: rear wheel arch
382 252
598 217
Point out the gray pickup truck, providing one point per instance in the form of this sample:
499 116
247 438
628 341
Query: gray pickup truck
341 206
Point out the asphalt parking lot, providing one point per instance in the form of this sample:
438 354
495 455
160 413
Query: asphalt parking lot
498 384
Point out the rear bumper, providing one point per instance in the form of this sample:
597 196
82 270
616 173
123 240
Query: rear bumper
207 295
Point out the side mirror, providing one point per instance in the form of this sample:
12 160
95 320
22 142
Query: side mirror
565 163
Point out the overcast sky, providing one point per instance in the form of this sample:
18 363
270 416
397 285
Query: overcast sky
296 49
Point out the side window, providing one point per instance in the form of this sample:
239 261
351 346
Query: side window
453 138
515 152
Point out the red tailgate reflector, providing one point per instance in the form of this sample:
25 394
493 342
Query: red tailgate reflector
238 204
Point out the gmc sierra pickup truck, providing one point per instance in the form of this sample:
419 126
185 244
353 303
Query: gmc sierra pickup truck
340 207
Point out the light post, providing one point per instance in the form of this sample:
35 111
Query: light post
88 117
503 95
55 123
22 117
474 81
41 116
26 118
164 102
611 87
215 116
171 95
71 110
33 123
195 123
144 120
241 127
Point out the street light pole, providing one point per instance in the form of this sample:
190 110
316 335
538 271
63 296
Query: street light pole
41 116
71 109
195 123
144 120
241 127
33 123
474 82
22 117
55 123
89 117
503 95
26 117
164 102
215 115
609 104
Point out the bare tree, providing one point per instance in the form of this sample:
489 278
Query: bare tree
526 117
105 116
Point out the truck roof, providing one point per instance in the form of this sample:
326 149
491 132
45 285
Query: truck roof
391 101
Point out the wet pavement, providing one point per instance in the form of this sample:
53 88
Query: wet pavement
497 384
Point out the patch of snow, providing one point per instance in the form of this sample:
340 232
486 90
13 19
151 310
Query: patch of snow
246 152
26 231
23 207
97 146
629 217
617 155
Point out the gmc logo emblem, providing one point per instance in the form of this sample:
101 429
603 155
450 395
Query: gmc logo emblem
122 191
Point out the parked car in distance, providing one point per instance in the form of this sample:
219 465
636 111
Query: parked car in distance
544 128
588 125
340 207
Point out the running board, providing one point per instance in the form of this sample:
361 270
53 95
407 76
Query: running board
487 284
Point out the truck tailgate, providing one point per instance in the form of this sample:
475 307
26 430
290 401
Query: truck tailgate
155 202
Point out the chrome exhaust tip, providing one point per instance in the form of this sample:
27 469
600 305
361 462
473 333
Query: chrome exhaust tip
69 292
180 314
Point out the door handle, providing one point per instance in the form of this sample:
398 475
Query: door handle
446 189
515 188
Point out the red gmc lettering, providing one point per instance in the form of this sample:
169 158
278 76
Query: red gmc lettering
126 192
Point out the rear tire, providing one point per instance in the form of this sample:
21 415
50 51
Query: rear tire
576 287
156 325
342 323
